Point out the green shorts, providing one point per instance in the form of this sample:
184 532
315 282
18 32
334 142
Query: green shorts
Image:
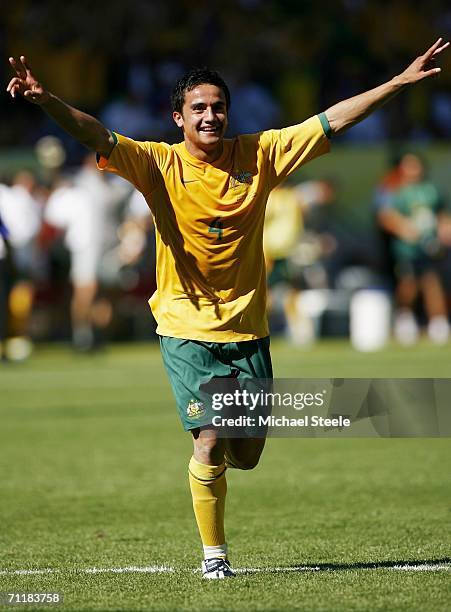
196 368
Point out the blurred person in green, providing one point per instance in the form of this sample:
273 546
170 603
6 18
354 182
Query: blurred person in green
421 228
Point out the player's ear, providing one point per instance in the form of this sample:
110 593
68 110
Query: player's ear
178 118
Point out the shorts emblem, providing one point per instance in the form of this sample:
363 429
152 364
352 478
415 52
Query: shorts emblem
195 409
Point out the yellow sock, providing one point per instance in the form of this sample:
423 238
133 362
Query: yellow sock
208 488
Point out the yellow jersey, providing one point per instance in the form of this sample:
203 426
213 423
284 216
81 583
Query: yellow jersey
211 278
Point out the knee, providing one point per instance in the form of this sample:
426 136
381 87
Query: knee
244 454
243 463
209 454
209 450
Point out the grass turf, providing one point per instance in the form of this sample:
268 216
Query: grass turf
93 465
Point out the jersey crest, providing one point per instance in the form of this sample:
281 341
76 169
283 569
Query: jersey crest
239 178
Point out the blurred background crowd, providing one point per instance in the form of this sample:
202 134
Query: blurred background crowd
364 231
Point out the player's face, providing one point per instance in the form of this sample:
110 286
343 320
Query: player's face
204 117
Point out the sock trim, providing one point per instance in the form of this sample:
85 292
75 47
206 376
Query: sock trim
207 479
204 472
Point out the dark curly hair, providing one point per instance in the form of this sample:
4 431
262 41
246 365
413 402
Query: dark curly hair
193 78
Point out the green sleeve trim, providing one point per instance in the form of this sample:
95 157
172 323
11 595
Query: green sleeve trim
115 141
326 125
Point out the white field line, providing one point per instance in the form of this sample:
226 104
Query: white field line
163 569
426 567
26 572
151 569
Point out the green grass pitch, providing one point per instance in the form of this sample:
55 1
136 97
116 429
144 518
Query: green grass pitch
93 469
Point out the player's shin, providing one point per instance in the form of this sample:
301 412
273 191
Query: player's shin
208 488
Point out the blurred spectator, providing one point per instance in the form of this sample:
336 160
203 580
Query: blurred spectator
422 229
107 194
4 283
386 218
293 256
72 210
22 216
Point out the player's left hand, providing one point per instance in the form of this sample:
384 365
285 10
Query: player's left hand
424 66
25 83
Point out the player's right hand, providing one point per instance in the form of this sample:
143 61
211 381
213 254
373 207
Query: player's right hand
25 83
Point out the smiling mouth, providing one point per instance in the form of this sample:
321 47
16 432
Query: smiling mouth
210 130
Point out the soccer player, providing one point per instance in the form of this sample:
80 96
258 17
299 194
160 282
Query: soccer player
208 196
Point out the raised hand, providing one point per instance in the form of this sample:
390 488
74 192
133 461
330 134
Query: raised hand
25 83
423 67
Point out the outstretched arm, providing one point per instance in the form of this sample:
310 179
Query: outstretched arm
83 127
345 114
